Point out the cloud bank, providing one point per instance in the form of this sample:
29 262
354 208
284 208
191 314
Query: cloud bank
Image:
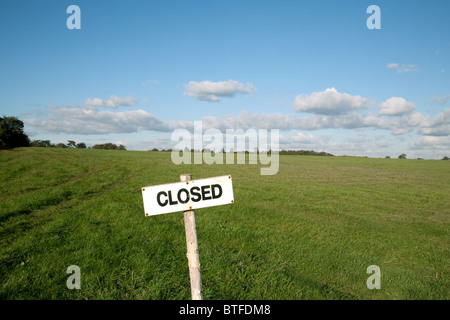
113 102
328 109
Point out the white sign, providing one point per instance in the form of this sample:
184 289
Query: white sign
189 195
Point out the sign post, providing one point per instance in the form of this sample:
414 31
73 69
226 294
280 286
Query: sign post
186 196
192 249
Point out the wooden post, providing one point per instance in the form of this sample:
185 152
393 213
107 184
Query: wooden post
192 249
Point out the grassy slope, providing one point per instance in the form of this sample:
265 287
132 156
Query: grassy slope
308 232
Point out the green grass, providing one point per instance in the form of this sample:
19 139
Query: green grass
308 232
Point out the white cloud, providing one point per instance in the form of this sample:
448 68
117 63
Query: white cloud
408 68
299 139
443 118
352 120
395 106
93 121
402 68
430 143
440 100
329 102
212 91
392 65
439 126
113 102
247 120
437 131
408 123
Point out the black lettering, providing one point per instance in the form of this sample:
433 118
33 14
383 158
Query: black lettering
171 202
197 196
214 187
158 198
179 196
206 190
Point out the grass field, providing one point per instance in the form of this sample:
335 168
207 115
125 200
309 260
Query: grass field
308 232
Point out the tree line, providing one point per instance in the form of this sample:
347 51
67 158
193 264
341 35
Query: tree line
73 144
269 152
48 144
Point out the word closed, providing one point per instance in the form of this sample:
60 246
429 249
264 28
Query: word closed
189 195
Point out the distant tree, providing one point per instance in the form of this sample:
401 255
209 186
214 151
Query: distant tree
71 144
11 133
41 143
155 149
98 146
304 153
387 157
402 156
60 145
36 143
445 158
109 146
81 145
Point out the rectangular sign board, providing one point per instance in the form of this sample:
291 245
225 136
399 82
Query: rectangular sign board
188 195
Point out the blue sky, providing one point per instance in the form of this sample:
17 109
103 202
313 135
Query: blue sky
137 70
